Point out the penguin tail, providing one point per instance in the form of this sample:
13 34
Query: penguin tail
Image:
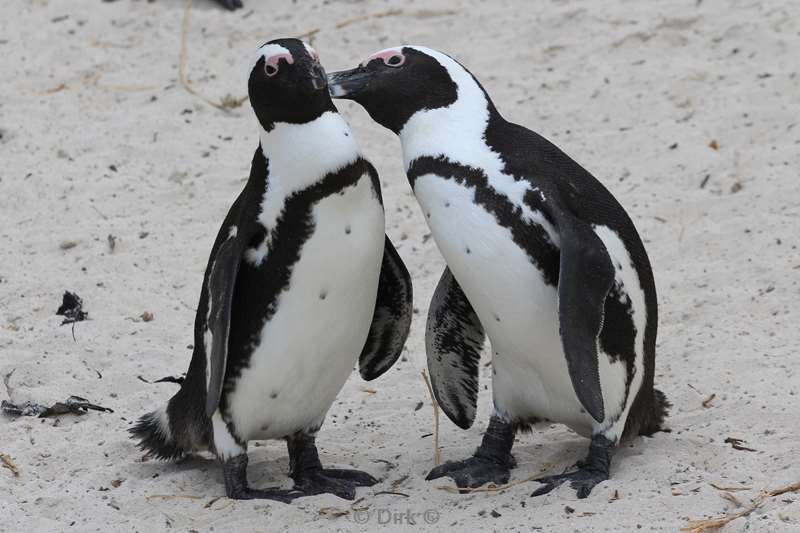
155 436
659 410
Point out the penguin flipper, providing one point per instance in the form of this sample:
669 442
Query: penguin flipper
221 285
236 232
453 340
391 320
585 276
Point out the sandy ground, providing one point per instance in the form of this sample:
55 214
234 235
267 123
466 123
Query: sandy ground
99 138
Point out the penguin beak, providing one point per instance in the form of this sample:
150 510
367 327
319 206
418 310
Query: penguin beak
319 80
348 83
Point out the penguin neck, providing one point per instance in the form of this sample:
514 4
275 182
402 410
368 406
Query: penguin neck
457 131
297 156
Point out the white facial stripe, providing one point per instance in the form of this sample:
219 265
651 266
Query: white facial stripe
383 54
273 53
456 130
313 53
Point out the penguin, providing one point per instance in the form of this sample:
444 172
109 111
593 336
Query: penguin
301 282
541 259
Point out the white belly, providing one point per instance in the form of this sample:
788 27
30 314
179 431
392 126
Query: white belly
517 308
310 345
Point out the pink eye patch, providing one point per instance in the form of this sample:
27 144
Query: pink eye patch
392 58
271 62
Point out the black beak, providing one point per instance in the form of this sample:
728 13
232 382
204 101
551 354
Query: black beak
348 83
319 80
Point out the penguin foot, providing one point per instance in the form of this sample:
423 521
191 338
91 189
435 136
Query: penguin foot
472 472
236 487
309 476
591 471
582 480
231 4
280 495
492 462
341 483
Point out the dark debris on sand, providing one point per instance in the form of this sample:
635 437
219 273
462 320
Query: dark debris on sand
72 405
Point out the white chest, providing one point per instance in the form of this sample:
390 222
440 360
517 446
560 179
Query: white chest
310 345
517 308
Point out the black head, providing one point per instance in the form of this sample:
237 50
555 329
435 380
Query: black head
395 83
288 84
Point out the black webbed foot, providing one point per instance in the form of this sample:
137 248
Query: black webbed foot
582 480
472 472
231 4
492 461
591 471
279 495
310 478
236 487
341 483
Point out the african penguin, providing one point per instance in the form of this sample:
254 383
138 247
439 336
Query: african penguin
541 258
301 282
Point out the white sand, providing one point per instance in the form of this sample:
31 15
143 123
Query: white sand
614 83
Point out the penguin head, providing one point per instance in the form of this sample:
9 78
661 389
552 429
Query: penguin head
288 84
395 83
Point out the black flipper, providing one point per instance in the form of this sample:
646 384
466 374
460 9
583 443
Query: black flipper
391 321
221 284
585 276
453 341
234 236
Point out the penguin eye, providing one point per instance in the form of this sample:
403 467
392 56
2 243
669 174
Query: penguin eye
395 60
270 70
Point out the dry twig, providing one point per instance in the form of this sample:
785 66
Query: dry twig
226 103
699 526
437 455
6 459
728 489
173 497
361 18
707 401
420 13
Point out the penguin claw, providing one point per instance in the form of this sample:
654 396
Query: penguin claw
359 478
472 472
280 495
339 482
582 480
